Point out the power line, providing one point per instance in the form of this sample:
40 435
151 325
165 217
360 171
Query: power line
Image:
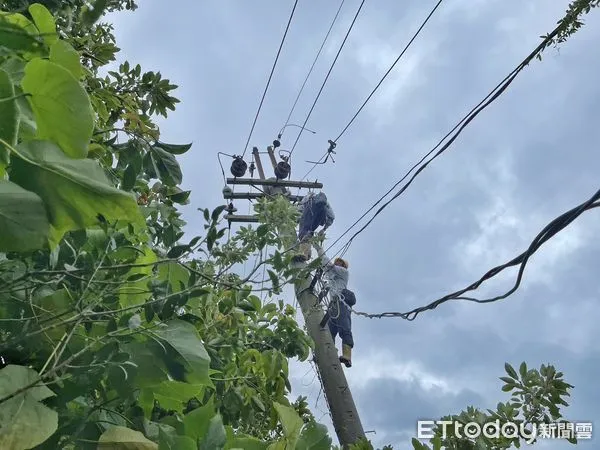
270 76
389 70
327 76
379 84
550 230
460 126
312 67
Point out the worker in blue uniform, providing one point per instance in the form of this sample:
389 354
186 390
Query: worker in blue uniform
315 211
335 277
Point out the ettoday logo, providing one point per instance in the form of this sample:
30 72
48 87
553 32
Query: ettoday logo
473 430
510 430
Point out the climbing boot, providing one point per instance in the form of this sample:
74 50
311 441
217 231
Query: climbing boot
346 355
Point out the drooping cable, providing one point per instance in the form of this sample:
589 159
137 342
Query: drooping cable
550 230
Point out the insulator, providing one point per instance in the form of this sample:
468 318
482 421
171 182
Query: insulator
227 190
230 208
238 167
251 168
276 143
282 170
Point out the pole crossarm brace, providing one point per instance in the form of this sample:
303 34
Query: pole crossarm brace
256 195
286 183
240 218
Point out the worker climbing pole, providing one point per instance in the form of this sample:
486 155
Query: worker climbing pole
322 328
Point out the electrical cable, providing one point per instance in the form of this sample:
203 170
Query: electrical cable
311 69
270 76
378 85
327 76
459 127
550 230
389 70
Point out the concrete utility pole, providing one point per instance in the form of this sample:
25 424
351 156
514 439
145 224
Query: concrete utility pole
335 386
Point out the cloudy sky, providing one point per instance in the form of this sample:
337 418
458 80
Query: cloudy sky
523 161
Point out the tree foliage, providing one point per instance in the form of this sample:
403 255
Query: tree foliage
118 331
114 329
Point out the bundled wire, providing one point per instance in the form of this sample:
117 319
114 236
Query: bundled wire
546 234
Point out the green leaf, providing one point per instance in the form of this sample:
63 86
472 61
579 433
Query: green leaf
27 125
180 197
75 192
184 338
17 33
259 404
167 166
121 438
62 108
246 443
215 438
9 124
172 395
62 53
197 421
24 422
23 219
134 292
314 436
178 251
176 274
291 423
44 22
166 442
274 279
523 369
262 230
217 212
129 178
174 149
14 67
510 371
417 445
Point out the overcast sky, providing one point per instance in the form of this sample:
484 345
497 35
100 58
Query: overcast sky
525 160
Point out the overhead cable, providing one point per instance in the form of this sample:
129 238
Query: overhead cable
389 70
311 69
270 76
327 76
459 127
550 230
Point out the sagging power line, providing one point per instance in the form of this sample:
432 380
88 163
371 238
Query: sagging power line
550 230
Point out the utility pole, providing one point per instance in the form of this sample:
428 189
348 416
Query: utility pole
344 414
